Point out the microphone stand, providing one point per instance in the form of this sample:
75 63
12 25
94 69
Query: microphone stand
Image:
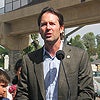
69 91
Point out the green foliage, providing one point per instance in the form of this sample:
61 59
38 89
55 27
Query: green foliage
98 45
34 36
3 52
34 45
89 39
76 41
1 62
98 40
87 42
91 59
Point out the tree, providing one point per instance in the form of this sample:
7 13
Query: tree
76 41
34 45
98 45
3 52
89 42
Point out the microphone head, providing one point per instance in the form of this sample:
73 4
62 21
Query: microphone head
60 55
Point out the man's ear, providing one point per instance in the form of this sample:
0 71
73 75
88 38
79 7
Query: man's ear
62 29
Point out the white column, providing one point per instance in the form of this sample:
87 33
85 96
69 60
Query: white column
6 62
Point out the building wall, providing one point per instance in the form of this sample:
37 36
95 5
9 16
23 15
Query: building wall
11 5
15 26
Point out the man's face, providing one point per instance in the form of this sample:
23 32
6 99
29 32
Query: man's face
3 90
50 28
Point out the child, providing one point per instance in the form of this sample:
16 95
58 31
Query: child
4 81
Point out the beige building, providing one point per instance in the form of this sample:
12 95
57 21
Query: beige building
16 25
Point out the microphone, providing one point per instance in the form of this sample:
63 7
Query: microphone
60 56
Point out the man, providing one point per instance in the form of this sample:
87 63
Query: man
44 77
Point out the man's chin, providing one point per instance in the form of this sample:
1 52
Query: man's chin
0 95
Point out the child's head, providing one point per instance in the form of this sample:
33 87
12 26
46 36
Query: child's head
4 81
4 77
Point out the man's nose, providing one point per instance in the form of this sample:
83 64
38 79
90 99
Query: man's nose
48 26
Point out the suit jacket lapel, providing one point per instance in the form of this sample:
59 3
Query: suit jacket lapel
39 71
40 78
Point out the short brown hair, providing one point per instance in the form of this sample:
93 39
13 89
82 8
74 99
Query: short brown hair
4 77
53 11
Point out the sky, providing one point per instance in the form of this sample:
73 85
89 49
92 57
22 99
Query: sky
95 28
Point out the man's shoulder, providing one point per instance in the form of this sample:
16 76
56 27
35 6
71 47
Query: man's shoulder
36 51
73 47
35 56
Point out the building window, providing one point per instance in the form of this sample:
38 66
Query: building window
11 5
8 7
16 4
1 10
8 1
30 1
24 2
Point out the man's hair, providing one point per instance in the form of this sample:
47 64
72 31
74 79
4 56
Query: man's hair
4 77
53 11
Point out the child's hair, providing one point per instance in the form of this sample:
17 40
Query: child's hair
4 77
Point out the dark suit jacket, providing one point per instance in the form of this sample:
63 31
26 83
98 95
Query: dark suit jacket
78 71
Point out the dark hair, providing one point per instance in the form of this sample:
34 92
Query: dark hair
53 11
15 80
18 64
4 77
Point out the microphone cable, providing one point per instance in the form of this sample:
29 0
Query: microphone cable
60 56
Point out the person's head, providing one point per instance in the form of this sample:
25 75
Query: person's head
4 81
18 66
17 69
4 77
51 24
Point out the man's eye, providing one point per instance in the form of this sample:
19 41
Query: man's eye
43 24
52 23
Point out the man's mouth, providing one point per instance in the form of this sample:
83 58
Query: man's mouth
48 35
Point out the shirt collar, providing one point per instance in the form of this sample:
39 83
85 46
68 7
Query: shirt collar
45 52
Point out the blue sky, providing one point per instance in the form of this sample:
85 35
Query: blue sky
95 28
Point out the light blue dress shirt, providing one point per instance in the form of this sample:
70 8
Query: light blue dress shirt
51 73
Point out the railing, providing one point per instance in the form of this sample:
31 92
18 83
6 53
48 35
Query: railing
11 5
